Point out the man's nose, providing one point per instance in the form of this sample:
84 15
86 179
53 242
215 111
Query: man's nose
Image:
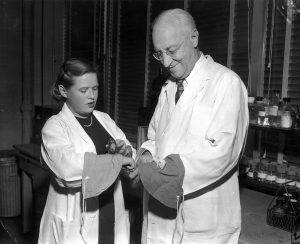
166 60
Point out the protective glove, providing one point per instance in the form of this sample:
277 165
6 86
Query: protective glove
133 174
146 157
101 171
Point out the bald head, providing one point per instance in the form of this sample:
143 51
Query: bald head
174 18
175 42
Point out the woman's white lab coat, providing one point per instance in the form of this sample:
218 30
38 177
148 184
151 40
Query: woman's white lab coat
64 143
206 128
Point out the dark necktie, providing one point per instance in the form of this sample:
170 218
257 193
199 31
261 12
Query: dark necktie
179 91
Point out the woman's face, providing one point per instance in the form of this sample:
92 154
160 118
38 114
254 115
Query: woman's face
82 96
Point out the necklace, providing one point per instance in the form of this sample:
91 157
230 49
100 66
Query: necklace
90 123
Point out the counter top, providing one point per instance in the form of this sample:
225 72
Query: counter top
254 225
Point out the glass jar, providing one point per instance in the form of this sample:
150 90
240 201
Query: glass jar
287 114
252 172
281 174
291 177
273 109
261 111
271 173
253 113
262 172
297 176
248 165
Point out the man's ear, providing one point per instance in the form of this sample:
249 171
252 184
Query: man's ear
62 91
195 37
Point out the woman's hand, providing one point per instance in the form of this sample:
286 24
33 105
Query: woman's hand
123 149
127 162
118 146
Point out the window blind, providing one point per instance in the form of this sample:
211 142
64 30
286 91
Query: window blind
240 62
294 68
274 50
212 20
131 67
80 29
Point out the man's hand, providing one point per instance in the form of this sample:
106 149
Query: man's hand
134 177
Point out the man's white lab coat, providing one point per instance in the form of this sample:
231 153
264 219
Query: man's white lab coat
64 143
206 128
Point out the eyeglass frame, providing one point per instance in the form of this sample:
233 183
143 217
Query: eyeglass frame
171 54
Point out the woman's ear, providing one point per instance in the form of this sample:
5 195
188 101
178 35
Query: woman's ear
195 37
62 91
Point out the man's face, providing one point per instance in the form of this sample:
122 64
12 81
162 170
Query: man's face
175 48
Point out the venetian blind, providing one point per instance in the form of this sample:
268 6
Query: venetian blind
240 62
294 68
274 56
80 29
157 6
212 20
131 66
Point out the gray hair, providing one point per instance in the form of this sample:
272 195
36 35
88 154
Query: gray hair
179 15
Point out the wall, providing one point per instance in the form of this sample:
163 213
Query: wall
11 72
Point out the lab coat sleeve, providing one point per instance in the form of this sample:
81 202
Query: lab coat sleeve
218 151
59 154
150 143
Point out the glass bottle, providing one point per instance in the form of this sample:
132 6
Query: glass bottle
281 174
297 176
248 165
261 111
291 177
252 173
271 173
287 113
262 172
252 110
273 108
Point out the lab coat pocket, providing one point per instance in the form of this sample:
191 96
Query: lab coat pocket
89 224
200 120
65 232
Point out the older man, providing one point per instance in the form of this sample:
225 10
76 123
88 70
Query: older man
195 137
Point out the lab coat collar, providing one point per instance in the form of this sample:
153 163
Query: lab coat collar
70 119
201 69
197 80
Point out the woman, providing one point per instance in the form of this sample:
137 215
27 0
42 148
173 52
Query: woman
74 147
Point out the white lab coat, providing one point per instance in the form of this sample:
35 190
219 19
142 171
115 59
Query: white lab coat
206 128
64 143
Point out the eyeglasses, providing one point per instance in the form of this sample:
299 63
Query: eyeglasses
171 53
